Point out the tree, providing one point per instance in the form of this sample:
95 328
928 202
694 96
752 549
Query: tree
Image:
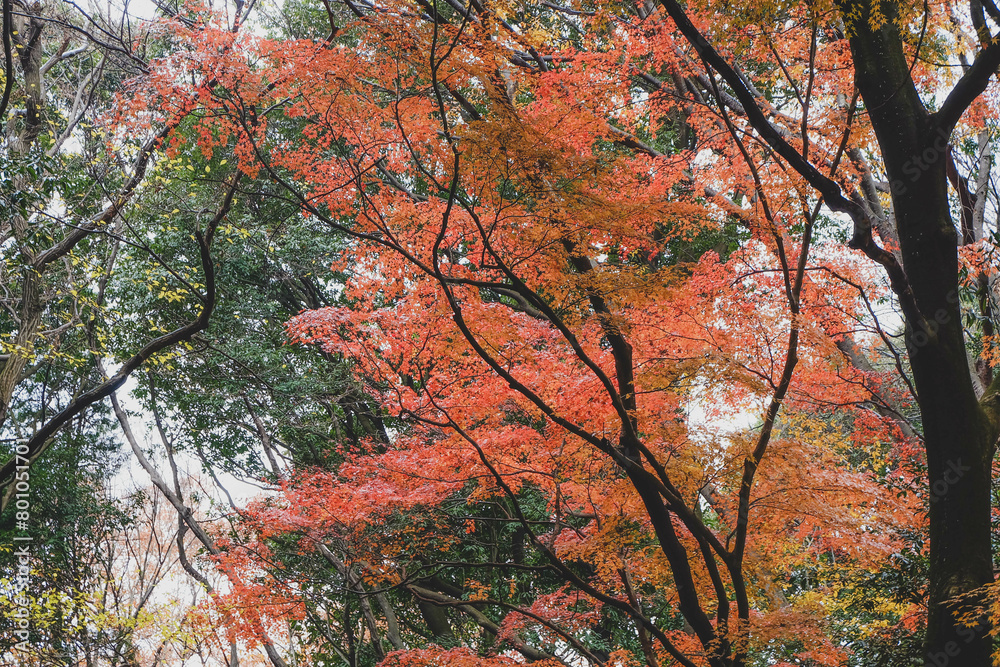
587 242
913 142
67 191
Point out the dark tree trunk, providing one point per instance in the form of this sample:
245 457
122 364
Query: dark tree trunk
958 433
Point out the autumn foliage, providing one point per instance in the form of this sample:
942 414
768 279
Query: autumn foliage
599 315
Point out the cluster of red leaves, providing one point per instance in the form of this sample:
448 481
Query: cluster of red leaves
455 219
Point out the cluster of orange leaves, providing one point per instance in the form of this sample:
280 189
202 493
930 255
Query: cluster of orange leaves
445 207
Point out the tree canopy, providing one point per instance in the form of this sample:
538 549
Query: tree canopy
443 333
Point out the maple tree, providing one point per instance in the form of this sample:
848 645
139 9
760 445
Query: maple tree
639 400
597 301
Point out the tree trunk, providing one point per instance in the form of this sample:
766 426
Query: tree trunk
958 433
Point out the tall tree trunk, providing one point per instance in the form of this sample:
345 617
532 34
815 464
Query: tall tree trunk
958 433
